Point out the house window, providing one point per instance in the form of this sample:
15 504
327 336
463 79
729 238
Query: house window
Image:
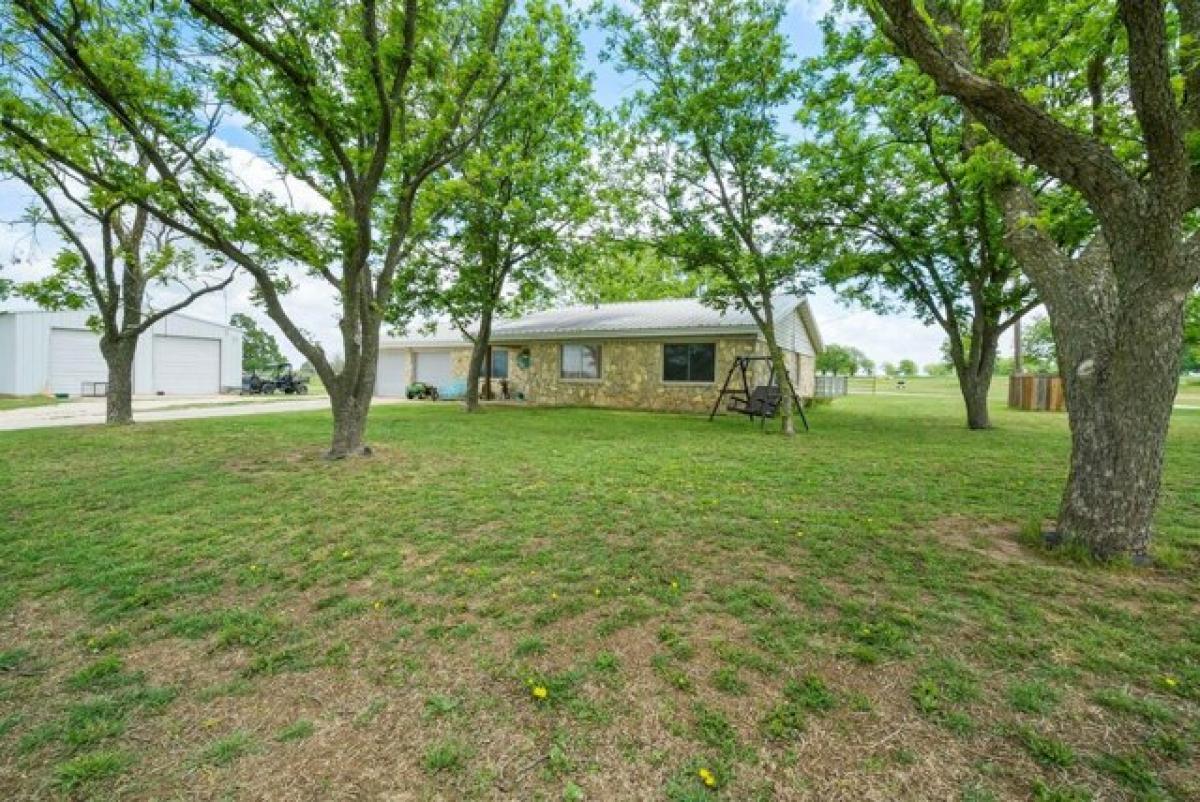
689 362
581 361
499 363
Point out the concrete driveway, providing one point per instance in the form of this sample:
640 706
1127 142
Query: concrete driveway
89 411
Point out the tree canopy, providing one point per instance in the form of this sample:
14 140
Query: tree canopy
260 351
842 360
898 216
704 149
1102 100
355 106
514 203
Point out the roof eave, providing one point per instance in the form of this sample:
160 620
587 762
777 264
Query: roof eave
500 338
810 323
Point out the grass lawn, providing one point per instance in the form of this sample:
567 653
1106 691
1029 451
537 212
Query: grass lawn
570 604
1189 388
21 401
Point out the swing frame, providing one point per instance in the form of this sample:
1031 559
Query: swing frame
759 402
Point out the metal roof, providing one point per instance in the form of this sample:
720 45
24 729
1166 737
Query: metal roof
90 311
682 316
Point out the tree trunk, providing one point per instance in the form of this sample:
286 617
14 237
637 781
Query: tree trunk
786 413
118 357
349 425
975 377
974 369
350 398
483 341
975 394
1120 391
474 371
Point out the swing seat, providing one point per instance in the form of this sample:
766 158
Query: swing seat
762 403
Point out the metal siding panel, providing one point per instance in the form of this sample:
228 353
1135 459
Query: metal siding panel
231 359
8 355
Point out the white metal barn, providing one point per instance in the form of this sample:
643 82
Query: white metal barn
55 352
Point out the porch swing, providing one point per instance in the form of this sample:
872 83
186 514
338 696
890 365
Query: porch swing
763 401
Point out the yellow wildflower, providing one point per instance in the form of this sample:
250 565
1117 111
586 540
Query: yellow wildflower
1170 681
674 585
346 554
554 596
540 692
378 605
708 777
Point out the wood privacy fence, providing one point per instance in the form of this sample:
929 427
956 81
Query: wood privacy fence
1039 392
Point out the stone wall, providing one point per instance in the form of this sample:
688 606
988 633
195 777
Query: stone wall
631 376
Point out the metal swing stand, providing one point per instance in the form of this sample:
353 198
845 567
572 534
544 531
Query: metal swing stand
763 401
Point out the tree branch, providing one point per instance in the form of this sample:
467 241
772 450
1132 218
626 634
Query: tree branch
1027 130
154 317
1153 98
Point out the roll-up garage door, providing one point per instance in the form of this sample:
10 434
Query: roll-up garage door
433 367
74 359
187 365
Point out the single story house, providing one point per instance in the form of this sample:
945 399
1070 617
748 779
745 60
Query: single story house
662 355
56 352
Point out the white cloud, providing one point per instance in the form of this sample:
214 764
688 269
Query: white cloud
815 10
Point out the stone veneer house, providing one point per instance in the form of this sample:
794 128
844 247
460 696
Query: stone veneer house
660 355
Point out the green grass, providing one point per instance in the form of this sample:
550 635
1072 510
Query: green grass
207 608
226 750
947 387
22 401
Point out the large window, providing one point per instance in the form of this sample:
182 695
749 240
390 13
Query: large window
689 362
499 363
581 361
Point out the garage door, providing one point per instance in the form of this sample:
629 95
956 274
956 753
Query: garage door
187 365
433 367
74 359
390 378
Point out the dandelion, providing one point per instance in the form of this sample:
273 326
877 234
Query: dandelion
708 777
540 692
597 591
378 605
674 585
1170 681
554 596
346 554
254 568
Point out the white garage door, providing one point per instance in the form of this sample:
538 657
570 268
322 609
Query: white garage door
390 377
187 365
433 367
74 359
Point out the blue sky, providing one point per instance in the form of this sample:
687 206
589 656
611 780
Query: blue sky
884 338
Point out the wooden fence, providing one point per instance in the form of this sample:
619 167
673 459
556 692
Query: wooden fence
1038 392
